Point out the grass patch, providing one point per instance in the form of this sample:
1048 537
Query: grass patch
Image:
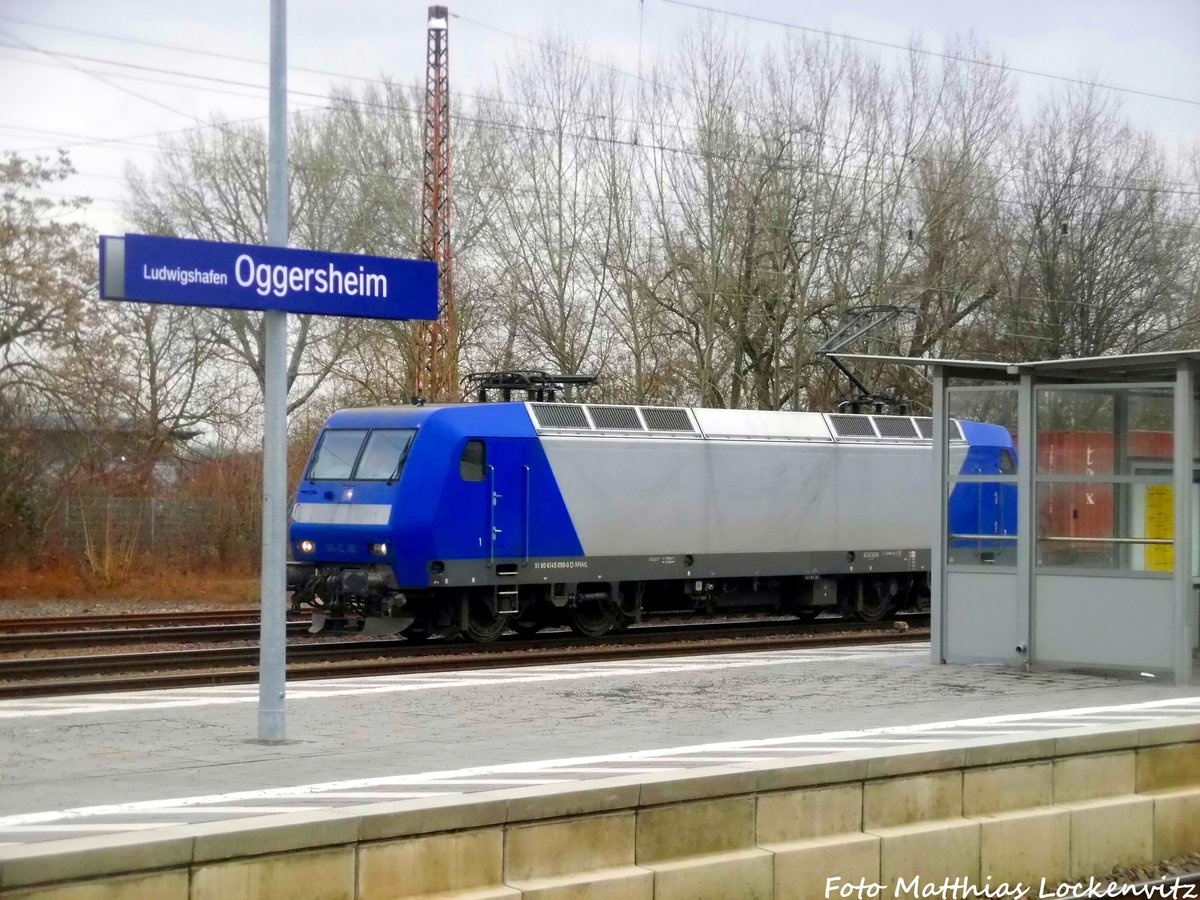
148 580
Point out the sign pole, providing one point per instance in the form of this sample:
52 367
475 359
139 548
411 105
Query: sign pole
273 625
275 279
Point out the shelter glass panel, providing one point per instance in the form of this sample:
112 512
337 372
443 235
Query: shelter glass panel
1104 479
1103 431
981 478
1106 525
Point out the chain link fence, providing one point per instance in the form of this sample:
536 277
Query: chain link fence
109 533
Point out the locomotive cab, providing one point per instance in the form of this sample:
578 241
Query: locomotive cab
391 496
342 539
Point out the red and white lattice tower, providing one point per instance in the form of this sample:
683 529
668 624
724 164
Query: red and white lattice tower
437 348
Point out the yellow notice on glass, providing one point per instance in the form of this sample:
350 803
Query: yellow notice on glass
1160 525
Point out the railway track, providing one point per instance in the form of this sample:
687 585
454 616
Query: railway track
181 668
126 620
150 634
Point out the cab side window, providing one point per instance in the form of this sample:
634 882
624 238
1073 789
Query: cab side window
472 462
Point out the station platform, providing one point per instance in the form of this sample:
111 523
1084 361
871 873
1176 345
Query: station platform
77 766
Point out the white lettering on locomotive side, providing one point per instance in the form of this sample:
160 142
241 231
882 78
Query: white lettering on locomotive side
281 280
562 564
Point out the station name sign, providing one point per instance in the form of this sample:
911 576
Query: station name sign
150 269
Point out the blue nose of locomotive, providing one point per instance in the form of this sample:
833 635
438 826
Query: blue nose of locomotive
344 503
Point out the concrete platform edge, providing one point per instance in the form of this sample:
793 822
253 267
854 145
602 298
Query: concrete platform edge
692 830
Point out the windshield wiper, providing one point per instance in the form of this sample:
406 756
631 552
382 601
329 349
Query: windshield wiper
396 471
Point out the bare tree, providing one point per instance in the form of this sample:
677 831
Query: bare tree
548 240
154 372
1100 259
211 184
695 170
47 267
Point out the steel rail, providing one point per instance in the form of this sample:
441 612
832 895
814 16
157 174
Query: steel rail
238 656
105 620
146 635
309 661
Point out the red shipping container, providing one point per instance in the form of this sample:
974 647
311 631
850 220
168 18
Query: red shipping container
1086 510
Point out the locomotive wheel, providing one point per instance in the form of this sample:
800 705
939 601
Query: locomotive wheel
531 619
624 620
807 614
525 627
484 624
878 598
593 618
416 633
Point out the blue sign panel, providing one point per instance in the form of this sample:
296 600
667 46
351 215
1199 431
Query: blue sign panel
152 269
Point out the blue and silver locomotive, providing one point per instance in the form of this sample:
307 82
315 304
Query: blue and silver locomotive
470 519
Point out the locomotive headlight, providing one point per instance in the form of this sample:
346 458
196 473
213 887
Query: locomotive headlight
308 547
379 549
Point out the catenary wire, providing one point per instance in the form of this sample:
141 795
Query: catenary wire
65 62
634 143
954 57
488 99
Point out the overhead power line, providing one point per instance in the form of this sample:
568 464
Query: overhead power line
329 73
955 57
570 53
678 89
1154 186
63 62
179 48
854 174
519 127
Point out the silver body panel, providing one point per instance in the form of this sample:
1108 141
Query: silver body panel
754 483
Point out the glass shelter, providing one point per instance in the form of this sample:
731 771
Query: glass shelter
1079 547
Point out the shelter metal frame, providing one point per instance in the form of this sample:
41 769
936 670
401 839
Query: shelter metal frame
1122 620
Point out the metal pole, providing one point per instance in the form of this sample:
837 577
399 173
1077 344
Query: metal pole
1026 518
273 627
939 524
1185 423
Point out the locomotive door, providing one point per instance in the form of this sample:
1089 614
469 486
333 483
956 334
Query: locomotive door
998 510
508 479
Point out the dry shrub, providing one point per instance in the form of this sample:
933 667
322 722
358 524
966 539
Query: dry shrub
103 542
233 485
108 552
157 581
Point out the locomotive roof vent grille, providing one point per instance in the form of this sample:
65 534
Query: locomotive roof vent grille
853 426
560 415
660 418
925 426
896 428
617 418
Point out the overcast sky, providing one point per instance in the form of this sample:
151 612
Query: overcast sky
1151 46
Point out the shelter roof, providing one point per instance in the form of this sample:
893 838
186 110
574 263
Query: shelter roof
1158 365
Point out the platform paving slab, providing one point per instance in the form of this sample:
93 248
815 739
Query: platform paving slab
376 740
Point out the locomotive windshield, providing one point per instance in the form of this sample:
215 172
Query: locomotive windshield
384 456
342 457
